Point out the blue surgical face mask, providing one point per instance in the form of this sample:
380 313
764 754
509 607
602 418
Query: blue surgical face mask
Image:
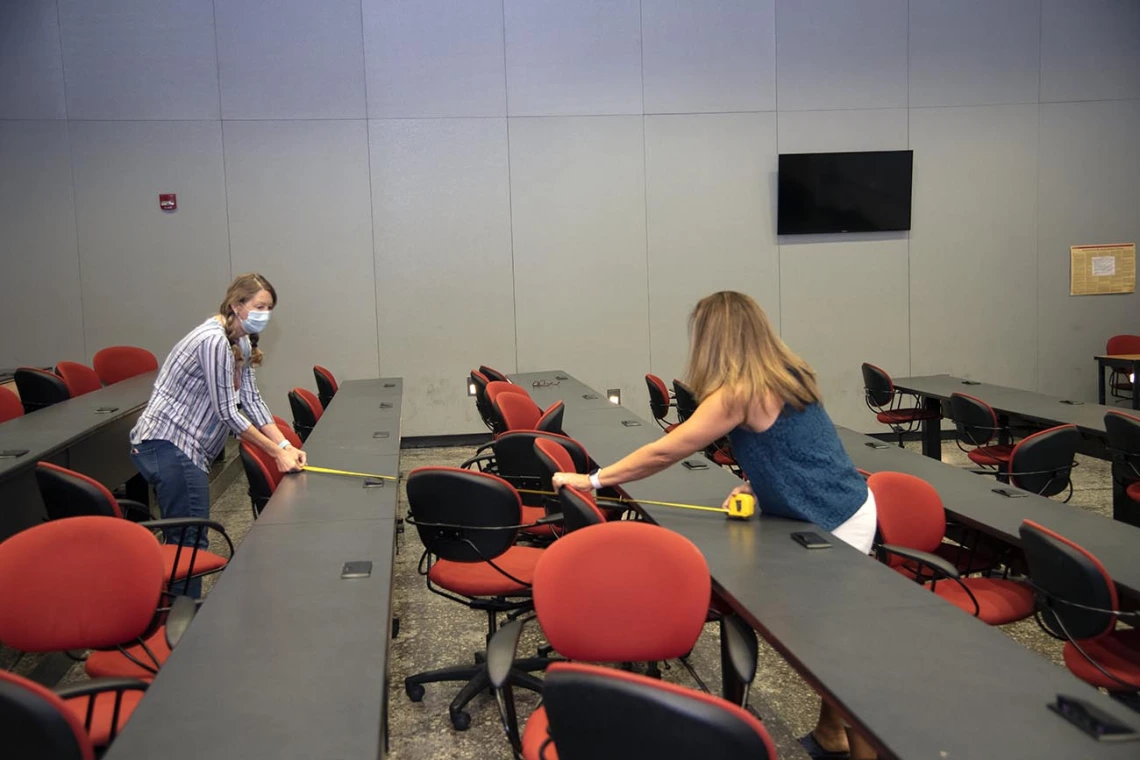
255 321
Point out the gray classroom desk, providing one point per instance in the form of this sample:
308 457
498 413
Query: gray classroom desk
74 434
1035 408
921 678
286 659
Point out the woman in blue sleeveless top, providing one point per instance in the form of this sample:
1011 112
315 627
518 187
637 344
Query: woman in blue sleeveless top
755 390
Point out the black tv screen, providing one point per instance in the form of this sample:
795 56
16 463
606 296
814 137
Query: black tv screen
844 192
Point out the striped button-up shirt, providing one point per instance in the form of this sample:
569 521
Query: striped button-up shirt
194 403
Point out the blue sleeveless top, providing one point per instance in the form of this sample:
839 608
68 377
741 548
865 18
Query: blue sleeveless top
798 468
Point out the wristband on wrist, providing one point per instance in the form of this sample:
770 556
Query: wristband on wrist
284 444
595 481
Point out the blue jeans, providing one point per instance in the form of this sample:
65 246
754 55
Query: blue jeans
183 491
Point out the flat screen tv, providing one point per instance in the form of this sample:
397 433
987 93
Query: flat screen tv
844 192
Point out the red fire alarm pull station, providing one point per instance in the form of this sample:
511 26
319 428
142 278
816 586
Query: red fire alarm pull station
167 201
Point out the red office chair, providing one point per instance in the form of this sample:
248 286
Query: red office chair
80 378
494 389
39 388
1119 382
1077 604
118 363
1124 444
493 374
468 522
287 432
326 385
887 403
519 412
307 410
659 401
720 451
659 720
89 583
10 406
1043 462
38 723
977 425
656 612
482 405
579 509
261 471
68 494
912 524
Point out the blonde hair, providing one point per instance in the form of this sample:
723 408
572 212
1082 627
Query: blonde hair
732 346
243 288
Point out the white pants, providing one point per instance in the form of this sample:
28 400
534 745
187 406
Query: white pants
859 529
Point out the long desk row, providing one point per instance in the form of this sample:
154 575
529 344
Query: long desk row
918 676
286 659
1037 409
88 433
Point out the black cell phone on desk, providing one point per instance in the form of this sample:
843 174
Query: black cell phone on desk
809 540
12 453
695 464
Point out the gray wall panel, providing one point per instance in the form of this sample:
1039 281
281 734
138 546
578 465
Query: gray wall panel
149 276
300 214
444 284
39 293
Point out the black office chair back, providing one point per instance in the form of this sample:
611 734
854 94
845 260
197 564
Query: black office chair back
260 486
878 386
304 416
326 385
461 515
1043 462
686 401
551 419
1061 571
976 421
658 720
39 389
493 374
1124 439
36 723
658 397
479 380
519 465
65 495
579 510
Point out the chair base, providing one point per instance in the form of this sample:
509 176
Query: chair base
477 680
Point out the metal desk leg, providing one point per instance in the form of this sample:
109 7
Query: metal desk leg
1100 367
932 429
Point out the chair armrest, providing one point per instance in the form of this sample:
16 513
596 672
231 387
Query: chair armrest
933 561
477 459
501 651
742 648
99 686
553 519
183 522
182 611
135 511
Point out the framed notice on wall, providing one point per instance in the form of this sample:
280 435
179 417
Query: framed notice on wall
1099 269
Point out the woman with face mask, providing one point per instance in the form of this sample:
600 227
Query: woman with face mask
194 407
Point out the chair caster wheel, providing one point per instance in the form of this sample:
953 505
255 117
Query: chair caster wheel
461 720
415 691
